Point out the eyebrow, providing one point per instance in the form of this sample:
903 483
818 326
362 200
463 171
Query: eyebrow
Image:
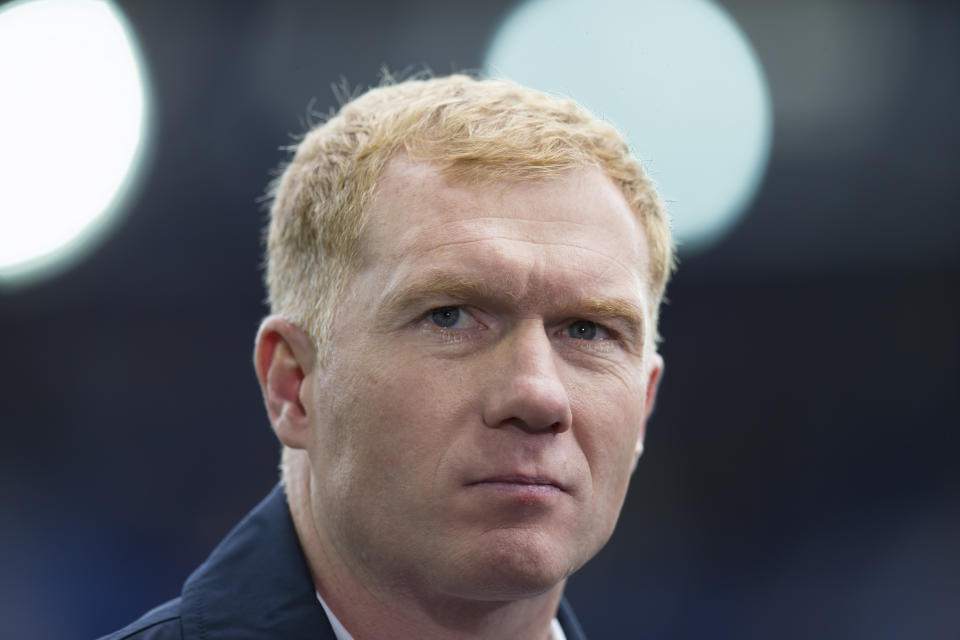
618 309
441 285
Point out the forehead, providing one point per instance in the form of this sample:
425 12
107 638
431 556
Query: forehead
576 223
577 203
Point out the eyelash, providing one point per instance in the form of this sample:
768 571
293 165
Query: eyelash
458 335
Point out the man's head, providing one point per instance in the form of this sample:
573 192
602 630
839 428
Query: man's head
465 279
485 132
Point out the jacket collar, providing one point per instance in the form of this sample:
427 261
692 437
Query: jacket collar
256 585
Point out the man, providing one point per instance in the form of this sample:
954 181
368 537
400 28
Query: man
464 280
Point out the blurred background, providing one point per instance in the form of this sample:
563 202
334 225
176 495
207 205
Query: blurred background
801 476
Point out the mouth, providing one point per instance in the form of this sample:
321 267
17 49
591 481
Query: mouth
520 483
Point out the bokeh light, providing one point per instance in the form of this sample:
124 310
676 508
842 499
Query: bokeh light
73 121
677 77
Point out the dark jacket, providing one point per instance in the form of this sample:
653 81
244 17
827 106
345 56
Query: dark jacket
255 585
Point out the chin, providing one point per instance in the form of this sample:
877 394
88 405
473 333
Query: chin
503 587
511 567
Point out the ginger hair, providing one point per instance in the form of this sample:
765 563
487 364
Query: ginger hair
477 130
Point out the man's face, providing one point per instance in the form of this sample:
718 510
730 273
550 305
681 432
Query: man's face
490 376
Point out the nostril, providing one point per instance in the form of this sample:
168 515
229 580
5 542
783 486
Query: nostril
512 422
529 403
556 427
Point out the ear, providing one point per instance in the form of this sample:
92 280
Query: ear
284 357
653 383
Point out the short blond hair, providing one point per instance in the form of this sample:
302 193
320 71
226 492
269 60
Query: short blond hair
481 130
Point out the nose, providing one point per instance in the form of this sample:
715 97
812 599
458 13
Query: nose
525 389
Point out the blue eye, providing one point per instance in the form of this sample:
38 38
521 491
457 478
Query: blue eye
445 317
583 330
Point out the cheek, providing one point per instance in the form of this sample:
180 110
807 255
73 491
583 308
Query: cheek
393 421
610 420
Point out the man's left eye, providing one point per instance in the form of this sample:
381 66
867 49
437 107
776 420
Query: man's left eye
586 330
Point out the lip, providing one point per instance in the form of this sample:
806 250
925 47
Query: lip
519 482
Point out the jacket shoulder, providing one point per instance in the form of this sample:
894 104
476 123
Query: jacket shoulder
162 623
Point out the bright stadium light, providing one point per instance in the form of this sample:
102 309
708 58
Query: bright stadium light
72 128
677 77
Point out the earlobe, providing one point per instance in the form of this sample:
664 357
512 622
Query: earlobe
284 358
653 384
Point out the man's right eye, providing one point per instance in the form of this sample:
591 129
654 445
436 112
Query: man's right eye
451 318
445 317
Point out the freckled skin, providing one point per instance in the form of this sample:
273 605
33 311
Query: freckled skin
409 418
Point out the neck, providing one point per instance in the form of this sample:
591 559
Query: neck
369 609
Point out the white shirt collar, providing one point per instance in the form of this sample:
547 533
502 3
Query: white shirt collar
338 629
556 631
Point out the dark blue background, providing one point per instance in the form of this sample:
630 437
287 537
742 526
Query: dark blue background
801 478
